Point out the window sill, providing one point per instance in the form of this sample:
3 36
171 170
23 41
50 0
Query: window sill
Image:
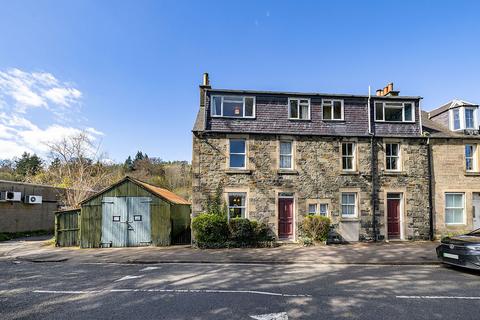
455 225
472 173
349 173
238 171
333 120
353 219
231 117
394 173
395 122
287 171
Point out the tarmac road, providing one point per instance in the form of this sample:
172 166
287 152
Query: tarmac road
235 291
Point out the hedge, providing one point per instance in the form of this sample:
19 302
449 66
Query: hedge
214 231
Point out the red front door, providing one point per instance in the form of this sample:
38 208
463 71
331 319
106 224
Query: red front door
393 216
285 218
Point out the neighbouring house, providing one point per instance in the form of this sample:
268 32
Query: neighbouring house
454 140
280 156
127 213
28 207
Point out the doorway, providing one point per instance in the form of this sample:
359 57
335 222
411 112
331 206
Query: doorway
476 210
285 216
394 216
126 221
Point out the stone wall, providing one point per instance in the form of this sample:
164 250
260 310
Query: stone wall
449 175
412 181
317 175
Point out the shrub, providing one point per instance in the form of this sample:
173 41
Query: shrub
316 227
210 230
262 232
241 231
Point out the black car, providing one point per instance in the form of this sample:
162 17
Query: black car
463 251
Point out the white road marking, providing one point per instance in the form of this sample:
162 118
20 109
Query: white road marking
128 278
171 291
271 316
438 297
68 291
150 268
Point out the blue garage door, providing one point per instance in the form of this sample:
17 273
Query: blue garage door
126 221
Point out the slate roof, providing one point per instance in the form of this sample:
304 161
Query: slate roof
437 130
450 105
271 116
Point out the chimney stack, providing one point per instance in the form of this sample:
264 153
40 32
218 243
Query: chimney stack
206 80
387 91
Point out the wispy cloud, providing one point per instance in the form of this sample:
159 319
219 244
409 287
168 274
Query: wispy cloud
22 91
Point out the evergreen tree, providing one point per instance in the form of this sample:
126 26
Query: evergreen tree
129 164
28 164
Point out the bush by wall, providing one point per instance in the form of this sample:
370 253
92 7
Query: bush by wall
315 228
214 231
210 230
241 231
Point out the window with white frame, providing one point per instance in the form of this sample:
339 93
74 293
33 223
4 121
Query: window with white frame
463 118
394 111
286 155
237 204
349 204
332 109
318 209
469 118
299 109
392 156
454 208
233 106
323 209
348 156
238 153
456 119
470 157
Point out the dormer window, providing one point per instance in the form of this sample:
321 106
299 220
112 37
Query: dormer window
456 119
469 118
463 118
298 109
394 112
233 106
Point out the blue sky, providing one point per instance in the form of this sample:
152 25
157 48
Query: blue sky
128 71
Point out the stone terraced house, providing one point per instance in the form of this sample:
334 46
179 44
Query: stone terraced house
280 156
454 140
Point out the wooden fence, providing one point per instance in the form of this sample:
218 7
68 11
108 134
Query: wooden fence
67 228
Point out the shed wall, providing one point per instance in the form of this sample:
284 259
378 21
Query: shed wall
91 216
67 228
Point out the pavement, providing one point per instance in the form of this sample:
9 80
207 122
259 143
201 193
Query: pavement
393 253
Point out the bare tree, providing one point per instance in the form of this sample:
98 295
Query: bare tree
78 166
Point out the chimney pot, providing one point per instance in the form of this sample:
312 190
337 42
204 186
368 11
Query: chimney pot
379 92
385 91
206 80
390 86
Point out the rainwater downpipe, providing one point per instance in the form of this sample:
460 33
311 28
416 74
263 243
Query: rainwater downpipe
430 189
373 165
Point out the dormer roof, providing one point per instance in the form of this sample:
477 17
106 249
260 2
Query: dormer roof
455 103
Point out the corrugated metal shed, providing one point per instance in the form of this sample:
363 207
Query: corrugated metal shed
132 213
